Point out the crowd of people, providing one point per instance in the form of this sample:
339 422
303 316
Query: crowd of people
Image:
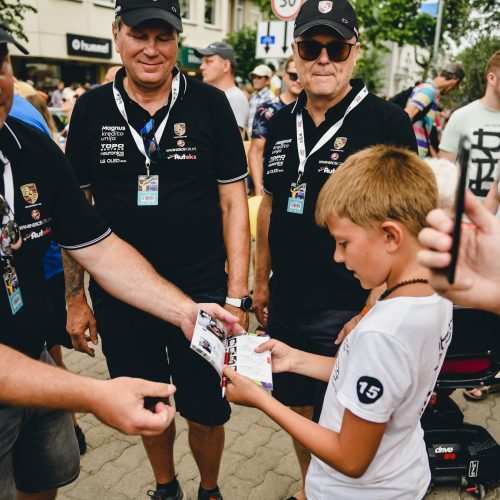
353 230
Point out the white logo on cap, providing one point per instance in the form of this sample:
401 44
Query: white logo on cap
325 7
344 20
118 10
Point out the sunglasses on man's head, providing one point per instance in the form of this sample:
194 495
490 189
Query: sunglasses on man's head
293 76
309 50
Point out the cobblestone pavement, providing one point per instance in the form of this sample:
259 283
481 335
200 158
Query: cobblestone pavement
258 461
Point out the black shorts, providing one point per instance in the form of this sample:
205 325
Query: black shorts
135 345
311 331
56 326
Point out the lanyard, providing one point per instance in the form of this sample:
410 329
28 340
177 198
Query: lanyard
176 83
301 145
8 182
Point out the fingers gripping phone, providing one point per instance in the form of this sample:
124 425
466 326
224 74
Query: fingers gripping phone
463 163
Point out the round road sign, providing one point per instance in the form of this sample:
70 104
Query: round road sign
286 9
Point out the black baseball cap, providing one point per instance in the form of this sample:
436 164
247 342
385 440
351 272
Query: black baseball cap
221 49
135 12
336 14
6 38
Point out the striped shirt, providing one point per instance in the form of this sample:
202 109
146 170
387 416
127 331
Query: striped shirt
421 97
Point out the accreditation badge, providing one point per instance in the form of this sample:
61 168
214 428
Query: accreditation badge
147 190
13 291
297 198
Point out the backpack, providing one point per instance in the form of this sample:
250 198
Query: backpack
401 99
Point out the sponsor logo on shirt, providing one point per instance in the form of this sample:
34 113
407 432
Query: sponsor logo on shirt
36 214
180 129
340 142
30 192
181 157
181 143
34 235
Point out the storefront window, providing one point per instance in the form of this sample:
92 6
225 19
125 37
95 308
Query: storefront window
210 11
186 9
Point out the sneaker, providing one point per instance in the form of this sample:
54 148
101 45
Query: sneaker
80 437
159 494
206 495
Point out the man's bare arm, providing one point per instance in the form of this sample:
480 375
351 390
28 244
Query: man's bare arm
256 163
80 317
236 228
262 260
118 402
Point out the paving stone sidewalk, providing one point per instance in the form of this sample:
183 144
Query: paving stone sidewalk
258 461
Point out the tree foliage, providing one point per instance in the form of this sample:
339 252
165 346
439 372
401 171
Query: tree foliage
368 67
12 14
474 60
243 42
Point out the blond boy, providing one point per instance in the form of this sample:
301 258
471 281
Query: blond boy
369 443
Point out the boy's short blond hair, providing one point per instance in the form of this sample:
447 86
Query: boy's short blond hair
377 184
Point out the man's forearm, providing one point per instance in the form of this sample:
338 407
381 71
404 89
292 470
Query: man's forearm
26 382
74 276
256 162
236 229
262 253
124 273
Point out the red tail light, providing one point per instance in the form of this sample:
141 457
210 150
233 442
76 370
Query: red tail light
463 366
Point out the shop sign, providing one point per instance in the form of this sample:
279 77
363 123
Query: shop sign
88 46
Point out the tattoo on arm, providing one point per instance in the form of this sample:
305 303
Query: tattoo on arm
73 276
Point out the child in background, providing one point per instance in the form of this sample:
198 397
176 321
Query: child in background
369 443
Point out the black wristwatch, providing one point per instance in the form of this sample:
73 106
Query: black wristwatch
244 303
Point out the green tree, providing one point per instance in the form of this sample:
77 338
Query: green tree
474 60
368 67
11 16
243 42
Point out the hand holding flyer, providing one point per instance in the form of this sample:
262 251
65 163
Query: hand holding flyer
211 341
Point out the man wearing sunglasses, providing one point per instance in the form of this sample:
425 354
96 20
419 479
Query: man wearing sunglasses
40 201
310 297
162 156
263 115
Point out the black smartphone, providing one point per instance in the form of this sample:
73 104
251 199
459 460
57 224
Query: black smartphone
463 163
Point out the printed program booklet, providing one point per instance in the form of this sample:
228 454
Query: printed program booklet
211 341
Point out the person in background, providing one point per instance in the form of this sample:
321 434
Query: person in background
261 122
110 74
275 84
423 104
261 78
57 95
217 68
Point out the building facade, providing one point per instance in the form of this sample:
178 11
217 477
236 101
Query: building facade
71 40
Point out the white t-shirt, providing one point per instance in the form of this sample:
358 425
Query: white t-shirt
385 371
482 126
239 105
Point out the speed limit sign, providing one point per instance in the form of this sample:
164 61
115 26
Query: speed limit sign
286 9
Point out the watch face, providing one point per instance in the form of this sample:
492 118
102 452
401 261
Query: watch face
246 303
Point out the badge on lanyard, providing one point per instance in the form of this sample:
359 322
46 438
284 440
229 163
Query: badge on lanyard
12 287
297 198
148 187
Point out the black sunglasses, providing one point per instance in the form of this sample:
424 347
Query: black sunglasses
309 50
9 232
293 76
150 143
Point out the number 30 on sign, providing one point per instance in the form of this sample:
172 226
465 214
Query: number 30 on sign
286 9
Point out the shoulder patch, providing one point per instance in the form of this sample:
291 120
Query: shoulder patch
369 389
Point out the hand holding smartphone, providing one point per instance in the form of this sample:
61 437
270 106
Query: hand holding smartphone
463 163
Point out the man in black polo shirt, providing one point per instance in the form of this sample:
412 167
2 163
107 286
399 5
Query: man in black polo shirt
40 201
310 297
162 157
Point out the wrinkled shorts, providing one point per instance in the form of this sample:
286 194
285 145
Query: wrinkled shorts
38 449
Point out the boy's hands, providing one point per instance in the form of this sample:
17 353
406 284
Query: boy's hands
241 390
282 356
